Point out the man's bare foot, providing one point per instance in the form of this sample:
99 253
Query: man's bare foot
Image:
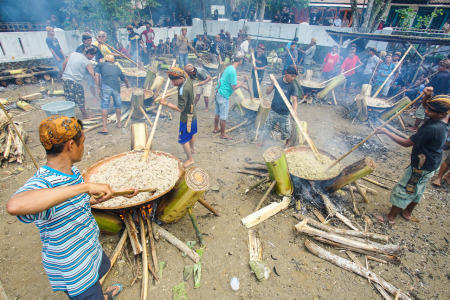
383 219
225 137
188 163
437 182
86 117
206 109
119 125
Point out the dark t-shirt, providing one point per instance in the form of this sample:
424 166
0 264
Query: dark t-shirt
327 14
260 62
188 20
110 74
54 44
235 16
439 82
289 90
429 140
82 48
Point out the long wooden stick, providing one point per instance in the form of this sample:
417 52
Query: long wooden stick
256 77
289 106
174 91
153 272
146 116
265 179
195 51
266 194
116 253
235 127
352 195
353 233
361 192
148 146
351 266
20 136
373 132
152 244
126 192
177 243
132 232
340 74
129 116
208 206
144 288
393 71
376 183
122 55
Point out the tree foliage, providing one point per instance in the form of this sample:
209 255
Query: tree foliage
408 15
374 11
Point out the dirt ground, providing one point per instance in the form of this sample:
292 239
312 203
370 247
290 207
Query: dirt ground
423 273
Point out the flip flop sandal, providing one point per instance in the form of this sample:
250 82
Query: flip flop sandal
385 221
110 293
226 138
103 132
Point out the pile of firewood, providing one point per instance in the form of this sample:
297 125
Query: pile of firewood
11 148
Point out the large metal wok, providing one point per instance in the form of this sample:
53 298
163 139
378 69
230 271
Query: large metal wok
305 150
95 167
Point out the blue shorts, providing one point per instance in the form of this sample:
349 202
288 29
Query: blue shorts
107 93
95 292
222 104
185 136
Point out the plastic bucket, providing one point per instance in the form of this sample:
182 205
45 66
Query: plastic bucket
65 108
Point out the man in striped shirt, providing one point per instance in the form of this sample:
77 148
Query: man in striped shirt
58 201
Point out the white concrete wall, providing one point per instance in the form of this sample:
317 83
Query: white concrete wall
35 47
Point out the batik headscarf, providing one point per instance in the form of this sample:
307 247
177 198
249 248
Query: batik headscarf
58 129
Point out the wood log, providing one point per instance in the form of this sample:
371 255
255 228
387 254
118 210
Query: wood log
252 173
132 233
351 266
256 166
208 206
191 188
195 225
352 233
32 97
107 221
137 100
266 194
151 75
362 108
333 212
297 138
351 173
399 105
352 195
129 116
261 116
146 116
144 287
278 171
361 192
152 244
233 128
265 213
157 86
116 253
24 105
334 83
256 262
344 241
177 243
139 136
7 148
319 216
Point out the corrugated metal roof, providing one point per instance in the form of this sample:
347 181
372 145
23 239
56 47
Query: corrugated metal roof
421 2
390 38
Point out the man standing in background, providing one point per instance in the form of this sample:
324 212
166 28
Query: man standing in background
55 48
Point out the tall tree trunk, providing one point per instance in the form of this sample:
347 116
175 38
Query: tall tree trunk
205 28
262 10
355 15
367 15
381 12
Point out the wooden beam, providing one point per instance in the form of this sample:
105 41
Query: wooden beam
265 213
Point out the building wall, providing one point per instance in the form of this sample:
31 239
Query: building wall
34 46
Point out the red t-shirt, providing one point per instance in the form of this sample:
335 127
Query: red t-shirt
330 60
349 63
148 35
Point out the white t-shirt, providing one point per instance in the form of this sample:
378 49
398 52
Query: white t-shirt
338 22
76 67
244 46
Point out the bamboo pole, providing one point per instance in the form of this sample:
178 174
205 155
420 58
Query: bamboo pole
144 288
393 71
235 127
20 136
208 206
122 55
107 221
148 146
195 51
152 245
361 192
129 116
132 232
177 243
370 135
250 92
352 195
351 173
338 80
376 183
278 170
146 116
263 113
195 225
325 82
289 106
351 266
266 194
261 181
256 77
339 231
116 253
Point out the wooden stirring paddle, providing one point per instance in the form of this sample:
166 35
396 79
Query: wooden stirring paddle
126 192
